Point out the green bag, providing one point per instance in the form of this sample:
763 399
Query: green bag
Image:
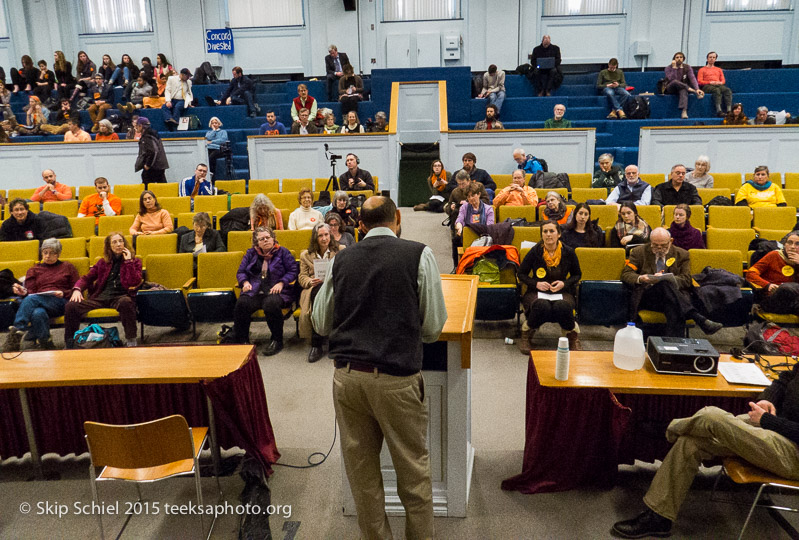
488 271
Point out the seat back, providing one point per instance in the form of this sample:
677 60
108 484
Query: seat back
652 214
168 189
504 212
19 268
81 264
294 241
186 219
775 217
525 234
708 194
296 184
82 226
239 240
584 194
73 247
601 264
772 234
697 218
170 270
175 205
791 197
270 185
129 191
26 250
62 208
727 259
653 179
85 191
542 193
210 204
730 182
737 239
791 180
24 193
580 181
729 217
502 180
218 270
156 243
130 206
136 446
607 215
232 186
285 199
241 200
775 177
96 244
109 224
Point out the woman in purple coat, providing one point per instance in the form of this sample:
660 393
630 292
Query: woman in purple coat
684 234
266 275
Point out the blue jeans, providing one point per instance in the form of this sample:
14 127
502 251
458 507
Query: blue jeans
115 76
496 99
174 113
37 310
617 96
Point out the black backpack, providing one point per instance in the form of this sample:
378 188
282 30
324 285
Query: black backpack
540 161
719 200
637 108
548 180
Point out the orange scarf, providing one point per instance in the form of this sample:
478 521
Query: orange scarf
552 260
442 176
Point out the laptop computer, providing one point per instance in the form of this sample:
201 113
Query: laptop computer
548 62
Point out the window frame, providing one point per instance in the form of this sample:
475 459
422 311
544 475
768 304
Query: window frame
457 17
84 32
621 13
303 24
788 9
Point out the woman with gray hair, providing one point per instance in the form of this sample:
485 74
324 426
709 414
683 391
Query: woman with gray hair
346 211
204 238
699 177
264 214
105 131
215 139
47 287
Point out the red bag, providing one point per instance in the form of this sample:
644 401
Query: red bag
784 340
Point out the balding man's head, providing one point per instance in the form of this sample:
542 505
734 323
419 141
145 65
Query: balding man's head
660 241
379 211
48 175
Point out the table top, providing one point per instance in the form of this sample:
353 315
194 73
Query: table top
127 365
595 369
460 296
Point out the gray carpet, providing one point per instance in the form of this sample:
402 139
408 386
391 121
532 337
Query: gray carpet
301 409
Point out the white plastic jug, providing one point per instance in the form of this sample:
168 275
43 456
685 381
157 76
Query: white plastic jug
628 348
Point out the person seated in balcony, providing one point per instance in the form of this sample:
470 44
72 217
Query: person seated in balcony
151 219
329 126
351 124
711 80
240 91
438 183
125 73
45 82
632 189
481 176
493 88
526 162
545 60
215 138
102 98
58 124
102 203
581 231
337 230
264 214
760 191
203 239
35 117
24 78
303 101
355 178
680 80
86 71
699 177
380 124
196 185
774 278
323 247
108 70
111 283
555 208
490 122
676 190
305 217
22 224
736 116
683 234
76 133
178 96
473 212
630 229
303 125
272 126
266 276
517 193
47 287
608 175
52 190
65 81
610 82
762 117
350 90
106 132
139 90
558 121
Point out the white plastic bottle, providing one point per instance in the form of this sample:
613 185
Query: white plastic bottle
628 348
562 360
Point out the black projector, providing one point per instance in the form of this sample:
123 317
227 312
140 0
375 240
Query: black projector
682 356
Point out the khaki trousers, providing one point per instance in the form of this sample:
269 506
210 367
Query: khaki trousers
371 407
54 130
713 432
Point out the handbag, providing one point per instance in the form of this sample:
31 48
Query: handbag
95 336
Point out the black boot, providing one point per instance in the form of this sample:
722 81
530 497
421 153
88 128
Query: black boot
647 523
708 327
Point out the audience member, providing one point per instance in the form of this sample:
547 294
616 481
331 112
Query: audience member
102 203
305 217
65 81
151 219
581 231
350 90
44 295
266 276
272 126
35 118
456 199
633 189
334 69
676 190
241 91
550 267
774 278
493 87
85 72
473 212
106 132
699 177
438 184
355 178
111 283
214 139
610 82
5 101
337 232
303 126
75 133
147 72
711 80
608 175
303 101
52 190
761 117
45 82
102 97
197 184
22 224
178 97
125 73
630 229
264 214
345 210
351 124
479 175
490 122
58 124
162 71
380 125
329 127
151 160
680 80
546 67
685 235
558 121
321 250
526 162
736 116
107 70
517 193
760 191
555 208
203 239
139 90
24 78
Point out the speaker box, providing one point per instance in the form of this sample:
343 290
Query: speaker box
349 5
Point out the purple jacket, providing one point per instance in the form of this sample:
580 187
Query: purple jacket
282 267
129 275
684 74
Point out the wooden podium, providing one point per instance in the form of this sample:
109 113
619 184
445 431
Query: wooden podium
448 393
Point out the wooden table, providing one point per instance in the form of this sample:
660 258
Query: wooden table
448 393
123 366
577 431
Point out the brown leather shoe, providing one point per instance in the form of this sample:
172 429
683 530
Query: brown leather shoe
574 341
525 342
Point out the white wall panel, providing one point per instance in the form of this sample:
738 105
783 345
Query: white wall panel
586 40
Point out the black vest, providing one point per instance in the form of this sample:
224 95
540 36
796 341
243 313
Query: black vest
376 303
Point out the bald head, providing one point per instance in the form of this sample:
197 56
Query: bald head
660 234
48 175
379 211
660 242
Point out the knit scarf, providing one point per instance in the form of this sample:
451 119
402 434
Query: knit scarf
636 229
267 256
685 236
556 215
554 259
757 186
435 178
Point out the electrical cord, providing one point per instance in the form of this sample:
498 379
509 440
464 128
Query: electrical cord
311 464
770 370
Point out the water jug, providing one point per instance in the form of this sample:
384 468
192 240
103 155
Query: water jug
628 348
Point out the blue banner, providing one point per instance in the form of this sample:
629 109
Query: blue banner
219 40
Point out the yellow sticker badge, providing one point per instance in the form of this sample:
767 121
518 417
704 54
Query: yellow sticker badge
787 270
540 273
669 261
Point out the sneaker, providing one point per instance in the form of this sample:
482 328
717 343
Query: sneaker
621 115
612 115
684 114
13 340
257 108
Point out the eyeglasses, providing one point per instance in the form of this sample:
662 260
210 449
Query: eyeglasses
264 238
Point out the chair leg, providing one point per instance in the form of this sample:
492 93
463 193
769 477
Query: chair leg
96 499
199 495
751 510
